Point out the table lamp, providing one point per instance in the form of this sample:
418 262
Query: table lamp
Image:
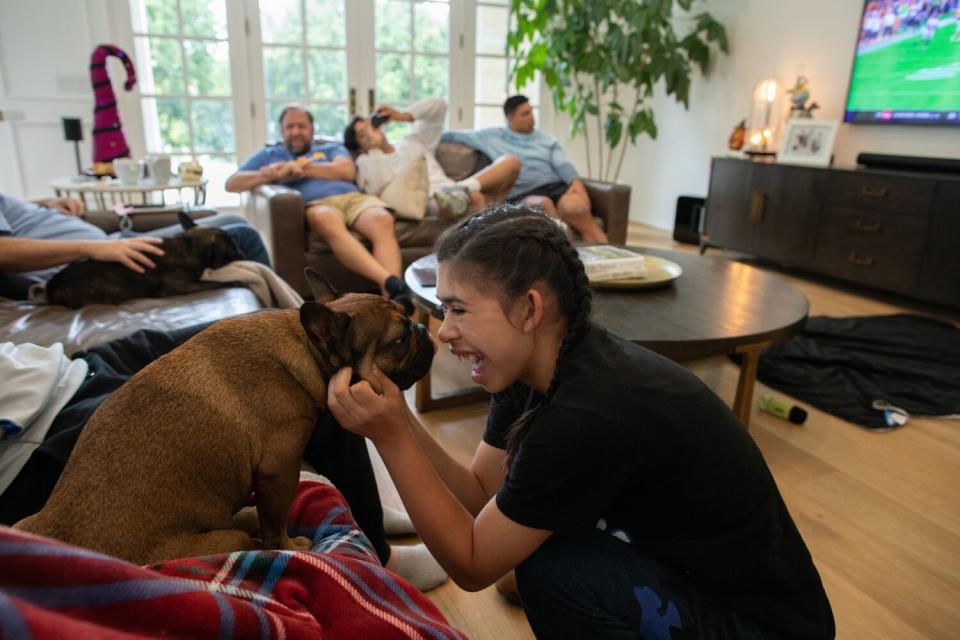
73 132
765 113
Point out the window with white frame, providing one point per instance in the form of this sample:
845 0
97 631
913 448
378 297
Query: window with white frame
412 47
305 61
492 84
183 69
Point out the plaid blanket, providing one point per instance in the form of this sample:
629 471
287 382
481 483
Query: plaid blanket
339 590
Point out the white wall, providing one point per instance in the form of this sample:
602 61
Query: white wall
815 38
45 48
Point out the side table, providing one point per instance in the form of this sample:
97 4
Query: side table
103 195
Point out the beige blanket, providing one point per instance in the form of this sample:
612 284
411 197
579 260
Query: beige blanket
271 290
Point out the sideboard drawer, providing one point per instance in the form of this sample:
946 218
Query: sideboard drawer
867 265
872 229
878 192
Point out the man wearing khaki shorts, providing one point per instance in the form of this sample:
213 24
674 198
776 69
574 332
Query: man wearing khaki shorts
323 174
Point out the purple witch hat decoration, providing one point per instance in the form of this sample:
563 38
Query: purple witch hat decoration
108 140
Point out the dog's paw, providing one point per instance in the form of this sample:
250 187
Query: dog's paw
300 543
247 519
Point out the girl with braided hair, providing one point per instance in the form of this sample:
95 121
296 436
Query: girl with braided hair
629 498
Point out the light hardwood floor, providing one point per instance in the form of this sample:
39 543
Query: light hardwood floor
880 512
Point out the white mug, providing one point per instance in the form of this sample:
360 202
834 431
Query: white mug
129 171
159 168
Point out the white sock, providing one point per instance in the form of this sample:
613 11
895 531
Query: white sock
415 564
396 522
472 184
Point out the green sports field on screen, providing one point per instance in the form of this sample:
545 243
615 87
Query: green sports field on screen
908 75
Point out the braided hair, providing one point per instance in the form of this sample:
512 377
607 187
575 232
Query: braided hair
515 246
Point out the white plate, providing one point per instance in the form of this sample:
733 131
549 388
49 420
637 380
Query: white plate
660 271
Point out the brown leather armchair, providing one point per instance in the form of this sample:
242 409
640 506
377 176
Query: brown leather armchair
277 212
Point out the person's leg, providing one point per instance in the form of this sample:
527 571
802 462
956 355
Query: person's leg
376 224
329 223
601 587
343 458
574 209
544 203
497 178
249 242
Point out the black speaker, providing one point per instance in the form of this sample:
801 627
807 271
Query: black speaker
689 219
72 130
909 163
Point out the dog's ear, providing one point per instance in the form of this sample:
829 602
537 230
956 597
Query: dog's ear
322 290
185 221
325 328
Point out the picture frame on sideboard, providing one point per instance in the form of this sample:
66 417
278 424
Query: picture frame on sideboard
808 142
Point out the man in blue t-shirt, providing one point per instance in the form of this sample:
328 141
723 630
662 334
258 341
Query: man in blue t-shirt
547 179
323 174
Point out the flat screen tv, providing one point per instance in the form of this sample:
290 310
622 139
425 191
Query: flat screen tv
906 69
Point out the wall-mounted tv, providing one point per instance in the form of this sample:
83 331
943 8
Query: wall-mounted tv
907 65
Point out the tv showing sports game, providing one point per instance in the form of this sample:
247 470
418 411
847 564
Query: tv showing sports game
907 65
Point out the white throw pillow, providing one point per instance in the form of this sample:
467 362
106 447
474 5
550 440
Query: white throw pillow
408 193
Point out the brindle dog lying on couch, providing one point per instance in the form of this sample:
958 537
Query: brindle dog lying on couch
178 271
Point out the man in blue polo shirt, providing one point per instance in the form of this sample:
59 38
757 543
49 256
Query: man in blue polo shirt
547 179
323 174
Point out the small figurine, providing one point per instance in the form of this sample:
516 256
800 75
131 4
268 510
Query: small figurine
190 171
798 99
738 136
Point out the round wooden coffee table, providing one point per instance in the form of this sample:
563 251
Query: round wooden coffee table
715 307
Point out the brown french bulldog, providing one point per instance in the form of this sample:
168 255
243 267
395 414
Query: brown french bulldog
168 460
178 270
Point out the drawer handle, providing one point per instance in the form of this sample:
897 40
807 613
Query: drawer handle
874 192
860 225
863 261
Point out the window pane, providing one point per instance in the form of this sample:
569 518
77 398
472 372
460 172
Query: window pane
430 75
432 27
171 118
393 77
393 24
487 117
326 23
165 68
281 22
531 89
204 18
397 130
329 119
283 71
327 74
491 80
216 169
492 30
273 114
212 125
208 67
155 16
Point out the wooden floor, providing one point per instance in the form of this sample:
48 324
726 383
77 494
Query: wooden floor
880 512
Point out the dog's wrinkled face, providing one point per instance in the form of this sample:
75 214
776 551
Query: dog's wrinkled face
362 330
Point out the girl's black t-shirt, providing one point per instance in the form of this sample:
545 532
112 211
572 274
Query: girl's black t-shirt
639 442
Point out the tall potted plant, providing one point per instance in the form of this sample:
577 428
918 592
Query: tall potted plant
602 59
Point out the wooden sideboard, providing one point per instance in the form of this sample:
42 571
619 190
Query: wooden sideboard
891 230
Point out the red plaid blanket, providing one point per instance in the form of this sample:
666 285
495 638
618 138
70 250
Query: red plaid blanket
339 590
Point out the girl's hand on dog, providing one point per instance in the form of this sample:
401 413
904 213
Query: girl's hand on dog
130 252
360 409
